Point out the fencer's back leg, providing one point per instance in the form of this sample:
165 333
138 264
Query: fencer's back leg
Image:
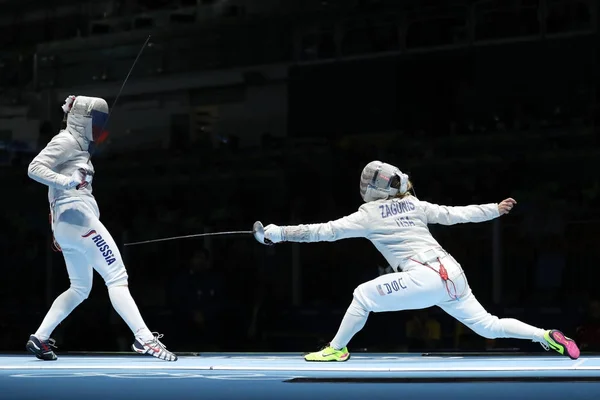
471 313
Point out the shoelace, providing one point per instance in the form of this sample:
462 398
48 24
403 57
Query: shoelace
158 336
51 343
164 354
328 345
545 346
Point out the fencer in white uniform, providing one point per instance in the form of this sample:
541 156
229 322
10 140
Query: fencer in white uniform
64 166
396 222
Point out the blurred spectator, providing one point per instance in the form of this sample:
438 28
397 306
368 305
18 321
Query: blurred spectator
466 339
195 299
423 331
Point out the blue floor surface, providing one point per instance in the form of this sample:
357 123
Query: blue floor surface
288 376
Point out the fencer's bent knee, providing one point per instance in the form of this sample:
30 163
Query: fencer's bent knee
358 303
83 292
118 281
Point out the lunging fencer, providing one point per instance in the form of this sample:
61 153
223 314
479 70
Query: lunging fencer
395 221
64 166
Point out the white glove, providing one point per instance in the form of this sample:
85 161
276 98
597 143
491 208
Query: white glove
273 233
81 177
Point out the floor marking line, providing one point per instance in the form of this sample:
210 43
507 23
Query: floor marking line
288 368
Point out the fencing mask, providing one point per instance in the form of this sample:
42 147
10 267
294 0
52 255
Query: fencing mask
86 119
381 181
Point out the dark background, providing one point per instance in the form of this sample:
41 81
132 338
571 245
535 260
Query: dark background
477 101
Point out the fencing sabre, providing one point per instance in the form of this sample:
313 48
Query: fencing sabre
122 86
258 231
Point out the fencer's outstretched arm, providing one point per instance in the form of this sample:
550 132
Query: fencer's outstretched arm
351 226
447 215
55 153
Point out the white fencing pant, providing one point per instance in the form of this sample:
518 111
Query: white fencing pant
87 245
420 287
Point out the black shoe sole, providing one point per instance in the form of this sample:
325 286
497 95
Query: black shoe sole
45 357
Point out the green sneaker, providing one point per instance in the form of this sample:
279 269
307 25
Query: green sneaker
557 341
329 354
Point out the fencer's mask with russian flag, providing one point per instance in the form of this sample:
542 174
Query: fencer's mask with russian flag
379 180
86 119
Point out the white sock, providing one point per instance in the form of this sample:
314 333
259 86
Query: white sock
121 299
60 309
513 328
354 320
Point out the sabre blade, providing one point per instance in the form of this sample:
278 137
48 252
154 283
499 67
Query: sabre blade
190 236
112 108
125 81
